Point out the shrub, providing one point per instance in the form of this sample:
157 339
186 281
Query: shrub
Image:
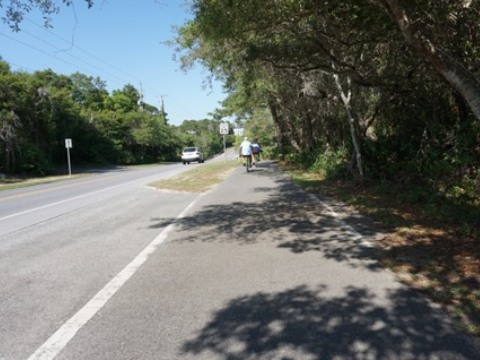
332 163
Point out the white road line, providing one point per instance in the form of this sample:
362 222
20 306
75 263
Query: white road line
352 231
66 200
356 235
67 331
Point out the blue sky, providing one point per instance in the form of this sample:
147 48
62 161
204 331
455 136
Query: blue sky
120 41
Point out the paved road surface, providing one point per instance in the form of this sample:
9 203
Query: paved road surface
254 269
24 207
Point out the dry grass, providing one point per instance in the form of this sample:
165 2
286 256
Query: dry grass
9 183
198 179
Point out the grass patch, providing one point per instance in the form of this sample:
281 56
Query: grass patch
431 242
198 179
10 183
15 182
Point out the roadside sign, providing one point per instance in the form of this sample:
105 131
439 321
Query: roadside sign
224 129
68 145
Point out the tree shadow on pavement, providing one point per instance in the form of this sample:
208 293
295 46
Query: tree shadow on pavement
286 216
301 323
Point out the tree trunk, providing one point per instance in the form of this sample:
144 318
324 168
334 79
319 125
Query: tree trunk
8 134
277 118
280 137
351 120
460 78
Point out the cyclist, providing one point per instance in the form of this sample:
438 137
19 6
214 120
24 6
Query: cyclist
256 150
245 151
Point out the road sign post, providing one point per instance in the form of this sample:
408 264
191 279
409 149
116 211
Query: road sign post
224 129
68 146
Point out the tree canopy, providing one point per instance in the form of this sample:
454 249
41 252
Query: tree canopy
15 10
39 111
388 88
392 85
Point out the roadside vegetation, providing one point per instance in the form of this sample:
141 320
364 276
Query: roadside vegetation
199 178
430 242
374 102
39 110
17 182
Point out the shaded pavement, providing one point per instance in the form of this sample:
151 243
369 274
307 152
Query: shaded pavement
258 269
298 282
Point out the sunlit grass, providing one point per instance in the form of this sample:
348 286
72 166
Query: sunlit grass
10 183
198 179
15 182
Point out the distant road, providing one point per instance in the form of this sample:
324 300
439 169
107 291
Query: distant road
25 207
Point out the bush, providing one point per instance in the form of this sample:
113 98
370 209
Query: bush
332 164
33 162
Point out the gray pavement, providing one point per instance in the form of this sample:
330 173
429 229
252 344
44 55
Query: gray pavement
258 269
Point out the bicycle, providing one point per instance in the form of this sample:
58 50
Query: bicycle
248 162
256 156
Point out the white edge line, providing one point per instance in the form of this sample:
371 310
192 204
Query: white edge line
67 331
66 200
357 235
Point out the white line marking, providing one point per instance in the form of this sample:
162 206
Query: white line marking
66 200
67 331
356 235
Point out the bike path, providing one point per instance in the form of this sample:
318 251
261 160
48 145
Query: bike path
259 269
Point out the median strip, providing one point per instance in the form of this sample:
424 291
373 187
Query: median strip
199 179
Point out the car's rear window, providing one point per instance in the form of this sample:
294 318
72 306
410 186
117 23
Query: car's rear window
190 149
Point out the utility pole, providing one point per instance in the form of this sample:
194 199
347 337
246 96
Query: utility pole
141 97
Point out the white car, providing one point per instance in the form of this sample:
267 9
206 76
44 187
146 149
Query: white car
190 154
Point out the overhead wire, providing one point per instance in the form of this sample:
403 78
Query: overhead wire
117 79
41 51
72 45
120 80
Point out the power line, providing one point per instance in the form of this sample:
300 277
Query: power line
72 45
41 51
73 56
112 77
21 67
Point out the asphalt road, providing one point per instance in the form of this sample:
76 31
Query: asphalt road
253 269
24 207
